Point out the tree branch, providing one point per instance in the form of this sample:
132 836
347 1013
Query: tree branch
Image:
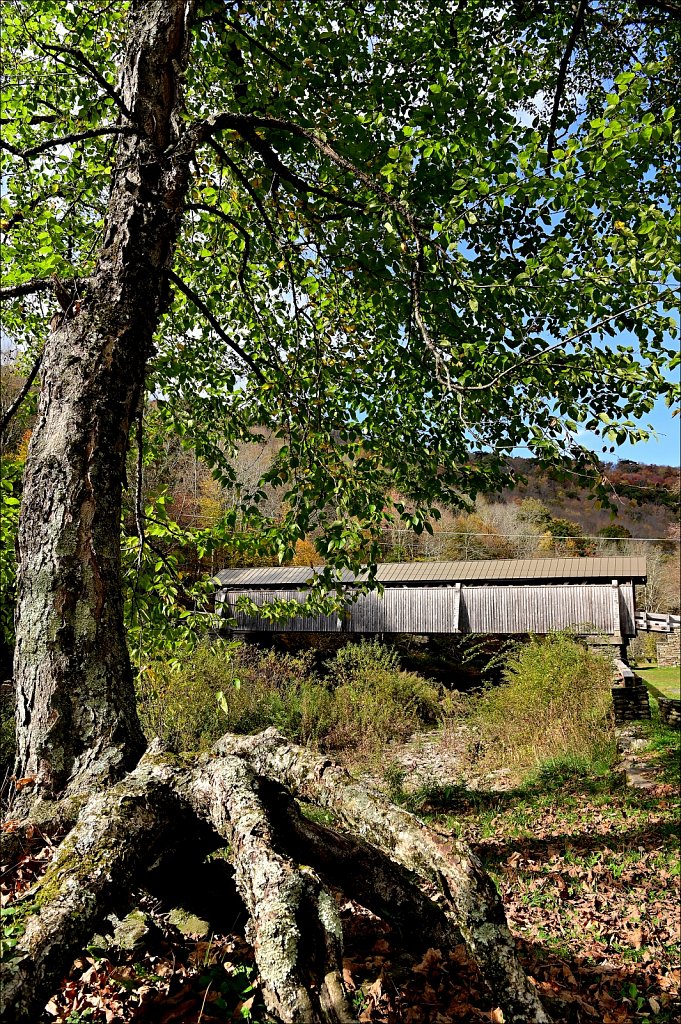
66 140
32 287
663 6
220 18
203 309
243 122
93 72
238 27
66 290
16 404
203 131
215 211
441 369
558 344
241 272
273 161
38 119
562 77
243 180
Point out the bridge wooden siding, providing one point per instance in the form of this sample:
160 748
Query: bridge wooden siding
541 609
496 596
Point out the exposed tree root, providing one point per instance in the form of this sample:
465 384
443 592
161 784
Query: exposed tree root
470 899
433 892
364 873
47 816
294 922
117 831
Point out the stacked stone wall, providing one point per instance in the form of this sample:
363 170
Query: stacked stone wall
630 702
669 649
670 711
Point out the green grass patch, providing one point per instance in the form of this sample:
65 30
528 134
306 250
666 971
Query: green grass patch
588 868
665 681
664 746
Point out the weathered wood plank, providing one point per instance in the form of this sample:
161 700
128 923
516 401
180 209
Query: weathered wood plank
496 609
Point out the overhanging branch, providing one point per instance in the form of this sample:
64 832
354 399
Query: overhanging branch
667 7
273 161
215 211
245 183
16 404
559 344
93 72
220 17
241 273
214 323
245 123
562 77
66 140
66 290
32 287
441 369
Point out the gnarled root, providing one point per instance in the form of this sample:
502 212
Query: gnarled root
294 922
116 833
363 873
391 863
472 902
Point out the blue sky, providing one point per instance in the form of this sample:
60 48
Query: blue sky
663 450
664 446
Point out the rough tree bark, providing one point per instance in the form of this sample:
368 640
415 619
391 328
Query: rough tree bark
389 861
76 718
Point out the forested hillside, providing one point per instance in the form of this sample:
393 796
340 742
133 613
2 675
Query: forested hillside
192 529
292 283
646 497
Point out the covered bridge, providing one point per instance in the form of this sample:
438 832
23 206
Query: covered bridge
499 596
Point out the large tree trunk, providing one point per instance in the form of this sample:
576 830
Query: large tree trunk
76 717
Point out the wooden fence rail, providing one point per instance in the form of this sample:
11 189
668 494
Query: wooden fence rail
657 622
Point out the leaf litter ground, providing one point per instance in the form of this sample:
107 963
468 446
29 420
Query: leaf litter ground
589 873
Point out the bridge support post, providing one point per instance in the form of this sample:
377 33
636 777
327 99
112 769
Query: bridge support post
457 608
616 624
668 649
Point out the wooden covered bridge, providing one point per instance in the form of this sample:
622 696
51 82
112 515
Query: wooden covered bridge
497 596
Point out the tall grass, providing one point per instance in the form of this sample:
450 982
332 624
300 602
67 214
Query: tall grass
553 705
375 700
363 700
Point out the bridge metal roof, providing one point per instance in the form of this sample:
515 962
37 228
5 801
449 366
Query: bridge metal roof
493 570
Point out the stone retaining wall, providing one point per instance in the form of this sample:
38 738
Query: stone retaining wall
670 711
630 702
669 650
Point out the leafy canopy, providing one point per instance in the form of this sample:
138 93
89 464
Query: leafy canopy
414 235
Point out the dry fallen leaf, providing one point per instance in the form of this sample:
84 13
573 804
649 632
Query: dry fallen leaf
432 959
27 781
348 979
